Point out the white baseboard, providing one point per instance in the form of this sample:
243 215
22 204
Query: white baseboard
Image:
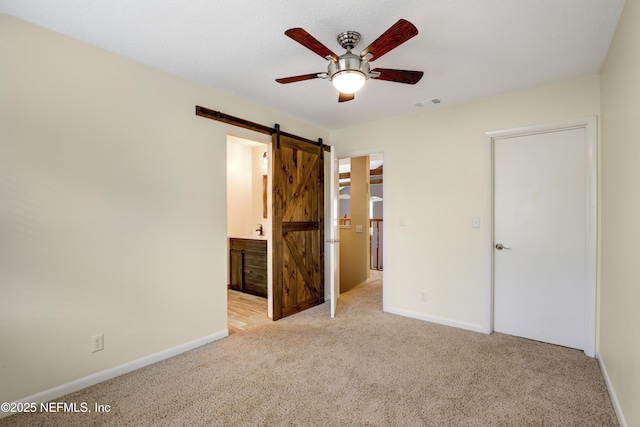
612 393
98 377
436 319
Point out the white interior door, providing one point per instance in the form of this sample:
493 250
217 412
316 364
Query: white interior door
540 240
332 245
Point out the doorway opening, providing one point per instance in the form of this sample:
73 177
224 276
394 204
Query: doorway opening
361 220
249 280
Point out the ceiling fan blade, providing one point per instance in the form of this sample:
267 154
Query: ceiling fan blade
399 33
310 42
399 76
300 78
344 97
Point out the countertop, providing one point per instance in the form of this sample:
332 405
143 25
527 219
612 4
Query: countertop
249 236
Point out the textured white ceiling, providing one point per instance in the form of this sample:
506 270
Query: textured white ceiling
468 49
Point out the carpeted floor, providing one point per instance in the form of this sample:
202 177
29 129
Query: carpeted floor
363 368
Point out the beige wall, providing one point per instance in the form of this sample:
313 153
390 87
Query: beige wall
354 246
434 168
244 188
112 209
259 170
239 188
620 269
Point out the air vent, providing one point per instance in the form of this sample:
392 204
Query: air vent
432 101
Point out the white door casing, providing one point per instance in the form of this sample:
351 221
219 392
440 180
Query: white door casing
332 243
542 201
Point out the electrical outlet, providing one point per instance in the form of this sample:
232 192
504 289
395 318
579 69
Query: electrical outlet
97 343
423 295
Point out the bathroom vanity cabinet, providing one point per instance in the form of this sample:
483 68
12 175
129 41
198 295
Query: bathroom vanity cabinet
248 266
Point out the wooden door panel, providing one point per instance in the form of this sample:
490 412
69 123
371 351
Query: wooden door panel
302 200
298 226
302 251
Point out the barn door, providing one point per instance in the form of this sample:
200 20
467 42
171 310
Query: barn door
298 226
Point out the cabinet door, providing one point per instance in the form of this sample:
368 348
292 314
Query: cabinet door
236 270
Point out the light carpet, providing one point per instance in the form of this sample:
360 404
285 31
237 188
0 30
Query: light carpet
363 368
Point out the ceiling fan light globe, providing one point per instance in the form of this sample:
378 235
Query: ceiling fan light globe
348 81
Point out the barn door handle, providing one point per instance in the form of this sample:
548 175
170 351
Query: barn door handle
500 246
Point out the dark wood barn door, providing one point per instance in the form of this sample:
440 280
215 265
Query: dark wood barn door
298 226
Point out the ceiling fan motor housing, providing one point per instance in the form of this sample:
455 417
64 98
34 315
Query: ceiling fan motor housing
349 62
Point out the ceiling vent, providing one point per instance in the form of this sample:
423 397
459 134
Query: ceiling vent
432 101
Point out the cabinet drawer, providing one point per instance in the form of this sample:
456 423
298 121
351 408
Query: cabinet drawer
249 245
255 260
256 289
255 278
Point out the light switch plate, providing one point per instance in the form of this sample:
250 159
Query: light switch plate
359 228
475 222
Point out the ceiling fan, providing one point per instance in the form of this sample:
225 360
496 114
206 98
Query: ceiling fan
349 71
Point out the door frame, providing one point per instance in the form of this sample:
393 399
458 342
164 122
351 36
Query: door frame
332 231
589 124
385 213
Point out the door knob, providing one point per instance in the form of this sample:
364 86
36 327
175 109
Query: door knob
500 246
